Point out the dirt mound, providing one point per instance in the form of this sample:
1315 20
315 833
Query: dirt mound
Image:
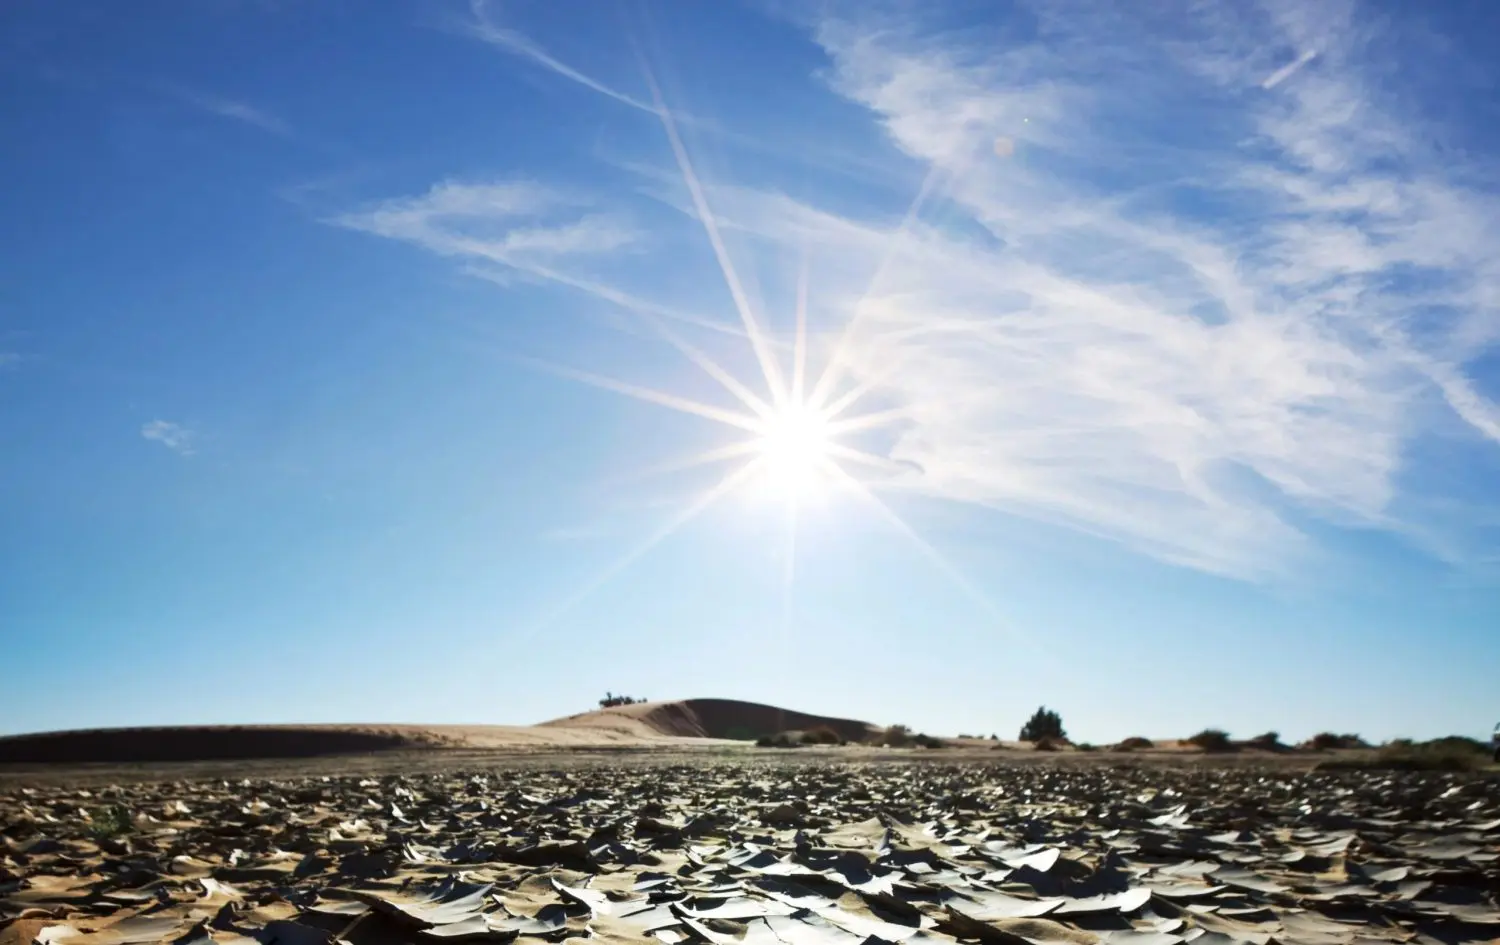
710 718
205 743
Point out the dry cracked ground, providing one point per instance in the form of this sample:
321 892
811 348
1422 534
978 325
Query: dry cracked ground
770 854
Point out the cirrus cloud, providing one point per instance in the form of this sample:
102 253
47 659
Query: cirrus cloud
1196 283
174 436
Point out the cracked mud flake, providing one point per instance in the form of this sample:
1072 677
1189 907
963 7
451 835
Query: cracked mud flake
730 854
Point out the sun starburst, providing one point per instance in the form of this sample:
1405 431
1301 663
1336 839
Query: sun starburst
794 440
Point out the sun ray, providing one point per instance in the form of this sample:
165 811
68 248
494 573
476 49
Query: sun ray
665 530
711 367
849 397
868 421
747 447
661 398
923 546
840 451
833 370
608 293
799 345
654 315
788 574
763 354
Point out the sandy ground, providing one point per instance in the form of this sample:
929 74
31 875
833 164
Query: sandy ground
688 731
666 752
757 848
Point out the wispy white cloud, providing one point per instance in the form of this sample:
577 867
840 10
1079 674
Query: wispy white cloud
231 109
1178 282
174 436
482 26
512 223
1190 382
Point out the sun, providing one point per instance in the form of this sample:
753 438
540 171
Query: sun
794 449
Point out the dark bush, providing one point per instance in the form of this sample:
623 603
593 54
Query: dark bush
926 741
1135 743
896 736
1048 743
1270 741
821 735
779 740
1044 724
1085 746
1212 739
1329 741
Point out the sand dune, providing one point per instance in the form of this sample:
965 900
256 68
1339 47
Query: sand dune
652 724
708 718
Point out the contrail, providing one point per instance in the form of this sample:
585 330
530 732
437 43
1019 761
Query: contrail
1288 70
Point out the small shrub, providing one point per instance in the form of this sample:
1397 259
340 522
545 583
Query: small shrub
1045 723
108 822
821 735
1212 739
994 737
926 741
779 740
897 736
1135 743
1048 743
1328 741
1085 746
1270 741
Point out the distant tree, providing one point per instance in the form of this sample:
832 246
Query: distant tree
1044 724
1212 739
896 736
611 700
1324 741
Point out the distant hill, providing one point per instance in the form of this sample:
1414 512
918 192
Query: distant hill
656 725
709 718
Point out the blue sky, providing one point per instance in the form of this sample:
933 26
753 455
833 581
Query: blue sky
358 362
